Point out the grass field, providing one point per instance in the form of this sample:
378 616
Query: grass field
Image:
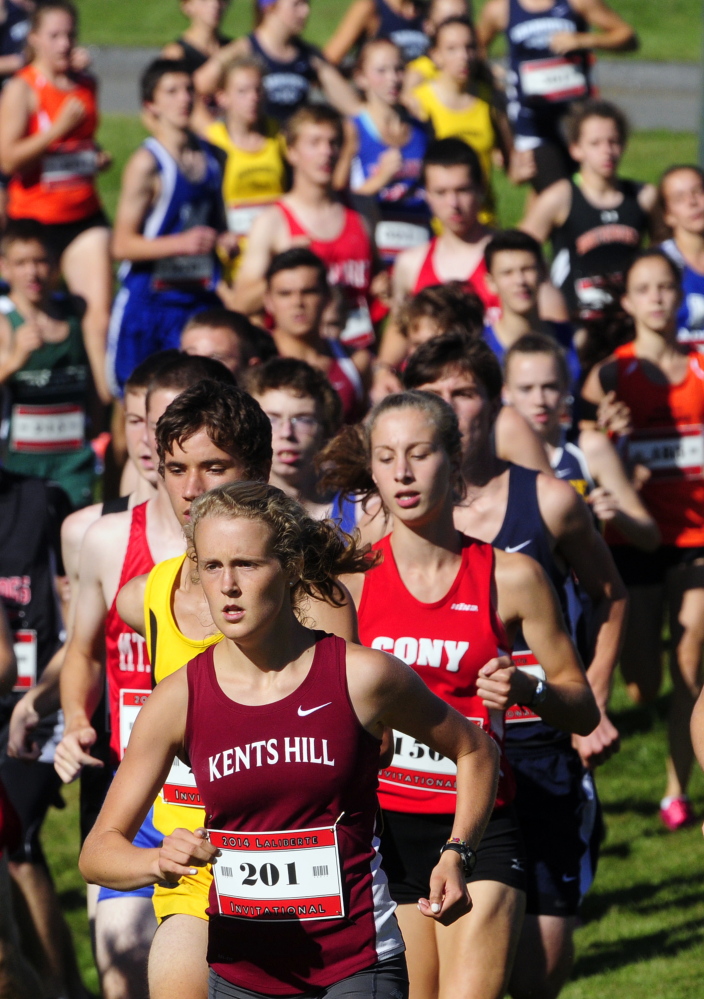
644 919
648 155
668 31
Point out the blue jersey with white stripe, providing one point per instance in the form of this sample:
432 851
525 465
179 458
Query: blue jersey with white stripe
182 204
690 316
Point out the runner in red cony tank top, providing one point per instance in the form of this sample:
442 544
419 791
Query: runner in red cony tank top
303 763
475 282
446 642
126 656
668 438
60 188
348 259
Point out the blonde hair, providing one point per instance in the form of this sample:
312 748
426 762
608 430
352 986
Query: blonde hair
313 552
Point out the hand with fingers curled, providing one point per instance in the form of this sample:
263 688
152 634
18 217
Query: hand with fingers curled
73 753
182 853
448 898
501 684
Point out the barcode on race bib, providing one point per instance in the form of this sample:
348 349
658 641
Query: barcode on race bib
275 876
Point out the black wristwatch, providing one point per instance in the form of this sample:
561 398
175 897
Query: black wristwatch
539 694
467 855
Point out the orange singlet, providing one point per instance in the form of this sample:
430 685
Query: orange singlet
668 438
60 187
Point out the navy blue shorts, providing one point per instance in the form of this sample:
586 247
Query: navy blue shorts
140 326
560 818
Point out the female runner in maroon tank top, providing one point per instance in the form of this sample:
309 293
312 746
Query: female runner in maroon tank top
448 605
282 728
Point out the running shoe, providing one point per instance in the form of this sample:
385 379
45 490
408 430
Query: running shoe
677 813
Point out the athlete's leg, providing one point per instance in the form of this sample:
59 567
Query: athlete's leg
18 979
124 929
177 959
476 953
87 269
641 658
421 952
545 957
686 606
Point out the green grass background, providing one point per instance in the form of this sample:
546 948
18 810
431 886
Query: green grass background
643 926
668 29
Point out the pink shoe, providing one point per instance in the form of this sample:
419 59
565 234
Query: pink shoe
678 813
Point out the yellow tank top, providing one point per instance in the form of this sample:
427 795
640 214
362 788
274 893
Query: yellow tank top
169 650
473 125
424 66
251 180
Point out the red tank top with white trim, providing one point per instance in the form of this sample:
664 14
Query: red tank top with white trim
126 656
475 282
61 186
446 642
299 901
668 438
348 259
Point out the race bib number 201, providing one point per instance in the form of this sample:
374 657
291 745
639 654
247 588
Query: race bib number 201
274 876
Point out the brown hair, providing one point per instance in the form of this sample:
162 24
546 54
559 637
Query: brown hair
181 371
312 114
300 379
540 343
237 63
447 305
43 8
346 460
313 551
232 419
595 109
454 351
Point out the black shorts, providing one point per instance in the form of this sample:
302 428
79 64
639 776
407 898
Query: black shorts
410 849
385 980
639 568
32 788
60 235
560 818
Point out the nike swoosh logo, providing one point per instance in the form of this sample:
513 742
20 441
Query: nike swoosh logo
562 473
567 880
309 711
516 548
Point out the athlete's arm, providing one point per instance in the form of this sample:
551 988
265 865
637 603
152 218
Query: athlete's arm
548 211
527 600
140 183
613 33
19 150
8 663
262 244
385 693
585 552
340 621
108 857
616 501
82 676
600 381
358 21
492 21
648 200
130 604
552 306
516 441
208 77
337 90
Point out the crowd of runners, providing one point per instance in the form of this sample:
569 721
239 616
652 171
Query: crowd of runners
398 495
